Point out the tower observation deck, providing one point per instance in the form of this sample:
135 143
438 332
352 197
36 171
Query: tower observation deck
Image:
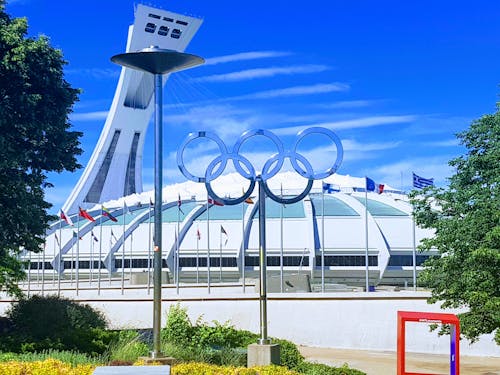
115 167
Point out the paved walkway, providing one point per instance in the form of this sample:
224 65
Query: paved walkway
384 363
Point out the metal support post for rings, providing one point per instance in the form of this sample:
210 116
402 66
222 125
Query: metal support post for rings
271 167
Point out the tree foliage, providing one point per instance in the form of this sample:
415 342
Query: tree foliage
35 101
466 220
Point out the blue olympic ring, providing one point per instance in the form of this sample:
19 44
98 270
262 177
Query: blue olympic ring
271 167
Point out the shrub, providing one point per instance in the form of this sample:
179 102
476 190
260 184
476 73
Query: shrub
50 322
221 335
289 354
178 329
309 368
127 347
206 369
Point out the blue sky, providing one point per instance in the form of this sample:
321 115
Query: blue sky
395 80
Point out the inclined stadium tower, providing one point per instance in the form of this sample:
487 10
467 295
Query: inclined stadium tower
357 225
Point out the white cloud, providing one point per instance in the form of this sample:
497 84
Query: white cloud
225 120
320 88
89 116
96 73
245 56
346 104
444 143
362 122
262 72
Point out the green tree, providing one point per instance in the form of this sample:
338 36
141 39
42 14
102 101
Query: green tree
466 219
35 101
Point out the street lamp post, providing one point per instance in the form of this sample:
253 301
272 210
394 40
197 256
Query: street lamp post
157 61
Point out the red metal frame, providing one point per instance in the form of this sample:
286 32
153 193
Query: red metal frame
427 317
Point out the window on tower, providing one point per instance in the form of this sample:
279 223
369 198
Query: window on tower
176 34
163 31
150 27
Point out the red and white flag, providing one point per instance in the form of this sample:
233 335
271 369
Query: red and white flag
66 218
214 202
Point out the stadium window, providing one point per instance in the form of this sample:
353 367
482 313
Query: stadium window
150 27
183 23
154 16
168 19
347 260
176 34
406 260
163 30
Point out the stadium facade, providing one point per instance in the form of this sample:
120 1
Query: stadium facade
340 229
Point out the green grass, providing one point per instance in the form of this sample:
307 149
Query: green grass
73 358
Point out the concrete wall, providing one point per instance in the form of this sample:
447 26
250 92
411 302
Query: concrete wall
335 320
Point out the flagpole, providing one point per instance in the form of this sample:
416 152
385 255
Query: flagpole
43 266
60 261
281 240
109 251
220 255
77 266
131 255
366 237
149 247
54 252
91 258
29 273
123 250
197 254
322 238
72 260
243 244
176 257
100 258
414 254
208 246
38 269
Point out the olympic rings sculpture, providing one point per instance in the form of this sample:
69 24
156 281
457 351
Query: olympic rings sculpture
271 167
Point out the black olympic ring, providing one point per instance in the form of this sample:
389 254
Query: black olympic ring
271 167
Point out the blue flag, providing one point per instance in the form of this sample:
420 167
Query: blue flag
420 182
330 188
370 184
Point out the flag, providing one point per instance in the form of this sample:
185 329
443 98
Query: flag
421 182
214 202
67 219
113 236
126 209
179 203
105 212
57 240
75 235
198 234
249 200
329 188
93 236
150 202
370 184
85 214
380 188
223 231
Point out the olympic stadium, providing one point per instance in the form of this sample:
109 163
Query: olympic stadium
329 235
345 235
